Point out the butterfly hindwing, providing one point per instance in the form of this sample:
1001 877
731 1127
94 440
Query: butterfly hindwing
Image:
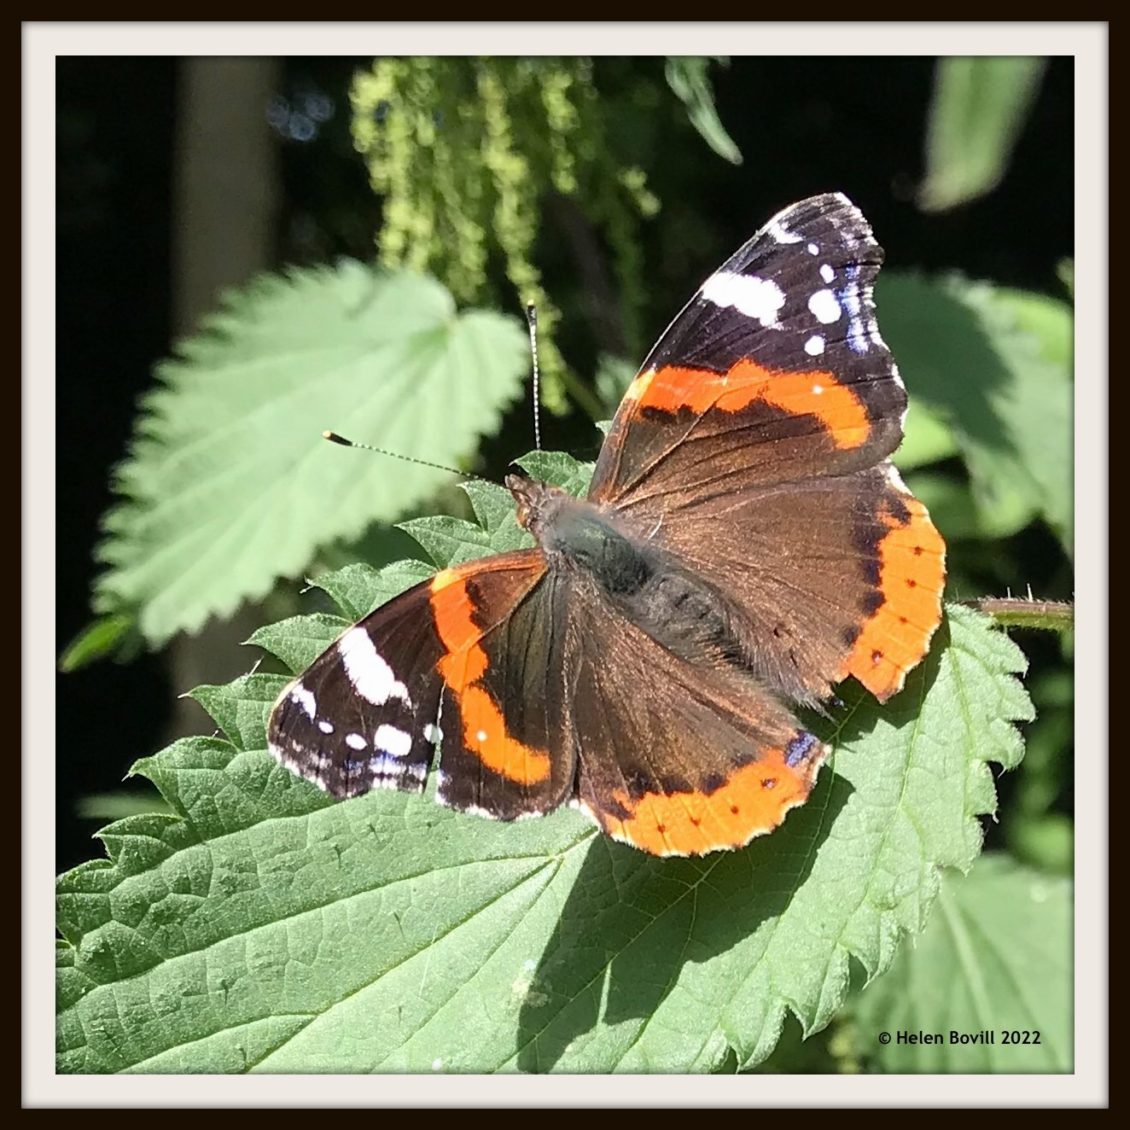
828 577
681 750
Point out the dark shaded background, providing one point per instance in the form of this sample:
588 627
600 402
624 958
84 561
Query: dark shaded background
803 125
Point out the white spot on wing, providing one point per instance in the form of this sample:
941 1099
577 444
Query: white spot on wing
475 810
372 678
391 769
824 307
393 741
776 228
814 346
826 272
305 699
355 741
433 734
755 297
895 479
326 727
813 249
481 736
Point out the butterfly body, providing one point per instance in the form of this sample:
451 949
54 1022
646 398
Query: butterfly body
591 545
744 546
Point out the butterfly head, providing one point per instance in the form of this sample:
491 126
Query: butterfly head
538 503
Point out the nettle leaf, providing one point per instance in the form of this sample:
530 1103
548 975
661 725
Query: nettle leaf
995 957
995 366
266 927
229 484
558 469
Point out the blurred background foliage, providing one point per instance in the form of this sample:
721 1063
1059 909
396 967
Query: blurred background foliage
603 189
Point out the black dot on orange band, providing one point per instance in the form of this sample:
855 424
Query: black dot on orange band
661 828
903 620
918 551
876 656
695 821
911 583
734 809
769 783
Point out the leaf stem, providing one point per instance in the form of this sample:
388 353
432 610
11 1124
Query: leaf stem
1023 612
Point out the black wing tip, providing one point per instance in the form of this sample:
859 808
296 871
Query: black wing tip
835 208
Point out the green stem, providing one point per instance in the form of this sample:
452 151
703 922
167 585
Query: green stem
1018 612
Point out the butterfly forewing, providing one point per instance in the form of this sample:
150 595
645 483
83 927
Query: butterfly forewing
773 373
754 443
415 674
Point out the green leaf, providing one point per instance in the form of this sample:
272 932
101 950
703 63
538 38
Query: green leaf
995 365
301 639
996 957
241 707
950 503
979 108
99 638
1036 833
687 77
269 928
116 806
927 438
1065 271
1046 842
358 589
558 469
229 485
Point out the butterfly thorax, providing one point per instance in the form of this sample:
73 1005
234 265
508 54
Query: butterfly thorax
677 609
577 533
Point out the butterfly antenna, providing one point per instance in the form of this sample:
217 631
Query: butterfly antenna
333 437
532 322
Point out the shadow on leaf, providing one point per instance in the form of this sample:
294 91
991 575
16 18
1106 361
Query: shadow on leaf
632 922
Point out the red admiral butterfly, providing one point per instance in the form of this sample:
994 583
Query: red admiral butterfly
745 543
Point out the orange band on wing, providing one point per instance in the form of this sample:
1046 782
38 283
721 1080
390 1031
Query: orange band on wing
752 802
815 393
912 573
462 665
